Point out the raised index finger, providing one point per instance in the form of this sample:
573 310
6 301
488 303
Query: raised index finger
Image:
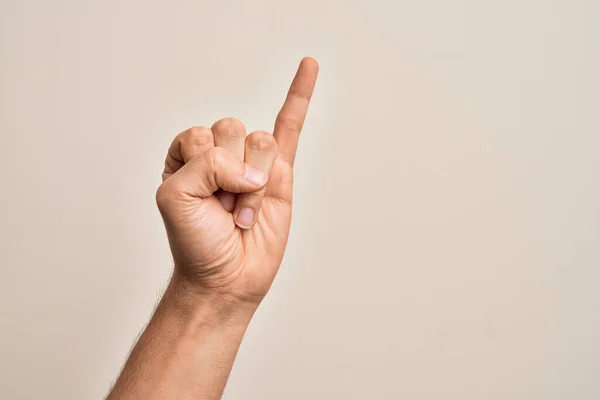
290 119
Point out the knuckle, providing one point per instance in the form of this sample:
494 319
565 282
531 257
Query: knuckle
215 157
287 122
229 128
196 136
261 141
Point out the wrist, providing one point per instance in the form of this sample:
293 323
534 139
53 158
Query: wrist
212 307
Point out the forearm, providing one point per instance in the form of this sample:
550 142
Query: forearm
187 350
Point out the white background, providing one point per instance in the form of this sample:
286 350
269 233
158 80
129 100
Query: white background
446 235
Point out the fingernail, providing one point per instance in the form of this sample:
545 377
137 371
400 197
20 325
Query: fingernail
245 217
255 176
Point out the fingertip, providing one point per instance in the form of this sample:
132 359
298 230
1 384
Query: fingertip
309 62
303 83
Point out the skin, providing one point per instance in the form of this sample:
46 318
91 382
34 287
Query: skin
226 201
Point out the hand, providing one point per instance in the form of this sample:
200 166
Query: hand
226 199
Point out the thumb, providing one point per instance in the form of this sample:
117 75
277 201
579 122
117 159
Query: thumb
215 169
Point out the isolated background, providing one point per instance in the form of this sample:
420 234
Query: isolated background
446 235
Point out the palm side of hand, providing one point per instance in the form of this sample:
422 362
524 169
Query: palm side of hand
226 234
